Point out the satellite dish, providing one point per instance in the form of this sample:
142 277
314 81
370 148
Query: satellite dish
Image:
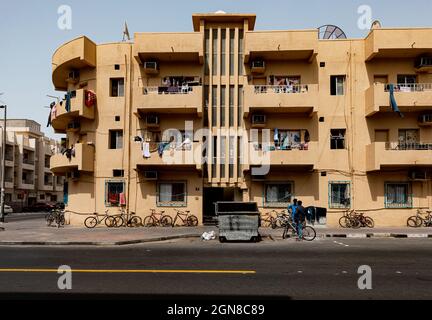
331 32
376 25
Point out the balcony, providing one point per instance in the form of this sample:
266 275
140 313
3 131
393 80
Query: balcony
382 155
281 99
398 43
82 161
78 110
172 100
169 47
303 156
74 55
281 45
187 156
409 98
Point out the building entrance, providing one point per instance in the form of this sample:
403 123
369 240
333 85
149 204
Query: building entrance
213 195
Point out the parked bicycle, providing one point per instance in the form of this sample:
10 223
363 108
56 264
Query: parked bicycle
126 219
92 222
268 218
186 218
355 220
157 219
422 218
57 216
290 229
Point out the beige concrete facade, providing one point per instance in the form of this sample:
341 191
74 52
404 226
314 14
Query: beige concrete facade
28 178
229 90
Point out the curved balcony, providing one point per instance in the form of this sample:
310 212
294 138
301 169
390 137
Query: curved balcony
83 160
78 109
74 55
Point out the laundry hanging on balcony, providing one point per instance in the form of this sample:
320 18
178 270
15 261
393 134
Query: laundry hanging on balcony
68 101
52 113
90 98
393 103
146 149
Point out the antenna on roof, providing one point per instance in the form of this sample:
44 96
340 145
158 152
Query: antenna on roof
331 32
126 34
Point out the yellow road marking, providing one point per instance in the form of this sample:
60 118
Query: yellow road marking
130 271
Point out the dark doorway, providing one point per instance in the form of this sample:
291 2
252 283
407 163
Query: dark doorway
211 196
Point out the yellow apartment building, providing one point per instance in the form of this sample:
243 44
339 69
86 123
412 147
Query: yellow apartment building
180 120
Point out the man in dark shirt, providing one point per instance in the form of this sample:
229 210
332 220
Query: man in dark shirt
300 217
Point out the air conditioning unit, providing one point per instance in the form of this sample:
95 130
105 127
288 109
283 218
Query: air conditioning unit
74 126
152 121
151 67
258 120
424 64
258 66
73 76
74 175
150 175
425 119
417 175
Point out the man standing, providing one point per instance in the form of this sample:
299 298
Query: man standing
299 219
293 208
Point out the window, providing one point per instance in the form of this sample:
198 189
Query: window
118 173
231 157
113 189
398 195
240 106
278 194
117 118
171 194
241 61
214 106
406 79
223 52
215 54
231 62
239 157
117 87
116 67
339 195
42 197
337 139
337 85
207 52
231 106
222 156
214 156
116 139
222 110
408 138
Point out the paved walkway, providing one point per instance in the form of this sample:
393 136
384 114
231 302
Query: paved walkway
35 232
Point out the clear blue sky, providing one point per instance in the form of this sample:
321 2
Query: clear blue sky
29 34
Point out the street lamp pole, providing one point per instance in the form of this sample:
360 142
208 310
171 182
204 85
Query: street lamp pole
3 167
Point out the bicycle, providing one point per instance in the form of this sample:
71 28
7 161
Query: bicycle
355 220
268 219
153 220
92 222
417 221
57 216
189 220
124 219
308 234
281 220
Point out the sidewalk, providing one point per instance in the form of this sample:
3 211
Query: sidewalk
35 232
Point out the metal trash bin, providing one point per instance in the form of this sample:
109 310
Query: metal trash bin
238 221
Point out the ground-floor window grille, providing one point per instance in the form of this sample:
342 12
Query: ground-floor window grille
398 195
113 189
171 194
278 194
339 195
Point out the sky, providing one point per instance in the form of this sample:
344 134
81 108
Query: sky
29 32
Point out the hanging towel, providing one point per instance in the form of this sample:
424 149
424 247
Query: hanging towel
49 116
393 103
53 112
68 101
146 149
122 199
276 135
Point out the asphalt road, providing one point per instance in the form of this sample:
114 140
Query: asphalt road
11 217
323 269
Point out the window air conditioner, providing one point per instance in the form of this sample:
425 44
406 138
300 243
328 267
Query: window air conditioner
150 175
258 119
417 175
151 67
152 121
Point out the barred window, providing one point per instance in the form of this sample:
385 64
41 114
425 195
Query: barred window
339 195
398 195
278 194
171 194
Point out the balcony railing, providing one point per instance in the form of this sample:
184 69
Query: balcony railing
410 87
168 90
285 89
408 146
28 161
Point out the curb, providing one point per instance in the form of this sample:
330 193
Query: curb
95 243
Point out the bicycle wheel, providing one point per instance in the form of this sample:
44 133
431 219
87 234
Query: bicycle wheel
354 223
166 221
119 221
149 221
309 233
344 222
109 221
49 219
414 222
135 222
192 221
368 221
91 222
